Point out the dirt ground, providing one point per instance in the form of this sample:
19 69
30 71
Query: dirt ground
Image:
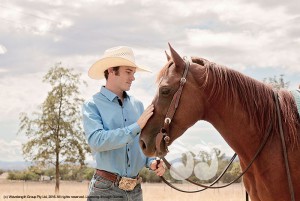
29 191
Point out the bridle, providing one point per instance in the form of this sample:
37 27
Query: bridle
163 134
164 131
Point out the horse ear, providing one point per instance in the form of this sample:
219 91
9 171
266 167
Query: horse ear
176 57
168 56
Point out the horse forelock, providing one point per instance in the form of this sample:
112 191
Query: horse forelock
255 97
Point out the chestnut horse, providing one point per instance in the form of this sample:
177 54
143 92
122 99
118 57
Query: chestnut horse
242 109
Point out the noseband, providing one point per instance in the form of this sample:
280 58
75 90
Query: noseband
163 134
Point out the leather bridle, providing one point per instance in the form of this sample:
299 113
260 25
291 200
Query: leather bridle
164 131
163 134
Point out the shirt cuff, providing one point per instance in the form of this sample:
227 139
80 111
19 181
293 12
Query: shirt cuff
149 161
134 129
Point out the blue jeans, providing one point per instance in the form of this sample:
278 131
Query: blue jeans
101 189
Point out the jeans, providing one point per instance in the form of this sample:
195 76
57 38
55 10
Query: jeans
101 189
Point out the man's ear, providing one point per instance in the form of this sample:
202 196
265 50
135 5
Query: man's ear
110 70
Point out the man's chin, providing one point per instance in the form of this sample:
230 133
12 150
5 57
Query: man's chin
127 89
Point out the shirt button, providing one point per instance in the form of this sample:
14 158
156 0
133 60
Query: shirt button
128 149
125 120
128 165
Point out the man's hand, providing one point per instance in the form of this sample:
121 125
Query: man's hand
158 169
145 116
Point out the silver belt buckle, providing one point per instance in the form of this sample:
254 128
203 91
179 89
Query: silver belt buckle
128 184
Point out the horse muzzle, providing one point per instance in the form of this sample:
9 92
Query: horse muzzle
162 142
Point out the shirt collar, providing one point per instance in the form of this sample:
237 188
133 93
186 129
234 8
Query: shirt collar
110 95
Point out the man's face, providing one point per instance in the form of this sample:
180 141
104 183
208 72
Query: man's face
124 79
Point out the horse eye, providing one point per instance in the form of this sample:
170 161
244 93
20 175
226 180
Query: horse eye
165 91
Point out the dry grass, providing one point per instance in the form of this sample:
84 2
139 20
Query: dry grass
160 192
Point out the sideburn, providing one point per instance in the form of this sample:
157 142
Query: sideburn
116 69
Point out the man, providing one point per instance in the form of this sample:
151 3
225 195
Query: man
112 121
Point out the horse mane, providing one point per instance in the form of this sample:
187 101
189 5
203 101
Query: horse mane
255 97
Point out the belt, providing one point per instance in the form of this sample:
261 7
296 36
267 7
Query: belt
124 183
108 175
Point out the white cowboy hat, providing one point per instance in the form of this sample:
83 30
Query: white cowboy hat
116 56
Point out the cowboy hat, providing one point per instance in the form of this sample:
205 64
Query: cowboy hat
116 56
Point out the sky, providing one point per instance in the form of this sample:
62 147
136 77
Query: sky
259 38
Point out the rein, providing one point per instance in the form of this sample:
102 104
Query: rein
224 171
163 136
286 160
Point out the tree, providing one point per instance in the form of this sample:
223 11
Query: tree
55 133
277 83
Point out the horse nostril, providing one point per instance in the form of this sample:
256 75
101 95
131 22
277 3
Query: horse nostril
143 145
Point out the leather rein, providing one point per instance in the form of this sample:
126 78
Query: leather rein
163 136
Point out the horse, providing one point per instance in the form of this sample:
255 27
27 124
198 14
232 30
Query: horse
243 111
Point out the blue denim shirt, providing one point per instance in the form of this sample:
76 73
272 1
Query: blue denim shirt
112 133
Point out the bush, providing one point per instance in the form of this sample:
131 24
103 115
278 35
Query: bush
78 173
88 173
13 175
23 175
30 176
232 173
149 176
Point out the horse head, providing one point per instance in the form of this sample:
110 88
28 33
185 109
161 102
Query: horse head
185 107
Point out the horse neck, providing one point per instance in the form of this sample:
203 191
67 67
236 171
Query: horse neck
232 123
228 115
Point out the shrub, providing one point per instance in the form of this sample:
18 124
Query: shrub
23 175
